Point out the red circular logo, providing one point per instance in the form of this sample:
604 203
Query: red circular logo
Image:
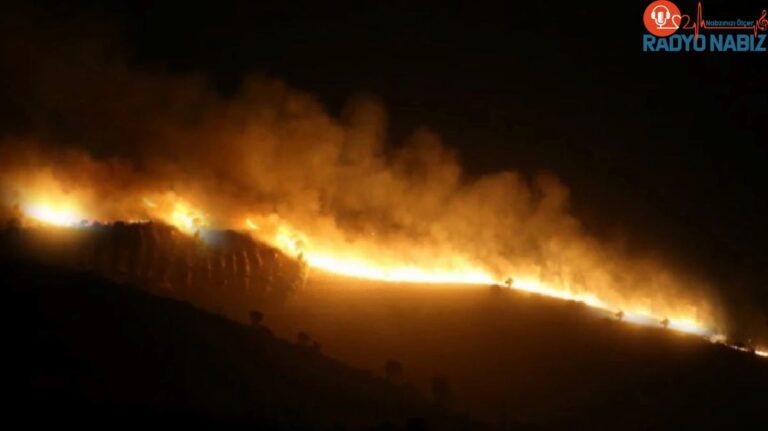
661 18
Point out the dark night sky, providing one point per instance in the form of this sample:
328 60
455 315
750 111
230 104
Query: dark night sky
669 148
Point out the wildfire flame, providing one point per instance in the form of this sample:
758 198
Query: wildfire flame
63 210
46 201
60 214
350 264
343 261
175 211
236 163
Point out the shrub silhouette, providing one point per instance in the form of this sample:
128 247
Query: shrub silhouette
256 318
441 390
303 339
393 370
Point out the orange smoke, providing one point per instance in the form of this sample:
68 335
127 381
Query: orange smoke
345 259
271 160
45 201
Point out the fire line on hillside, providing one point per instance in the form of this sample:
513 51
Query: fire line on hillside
268 257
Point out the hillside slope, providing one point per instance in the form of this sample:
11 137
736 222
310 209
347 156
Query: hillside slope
513 357
83 351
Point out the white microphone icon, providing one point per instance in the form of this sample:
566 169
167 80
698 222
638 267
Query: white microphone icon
660 14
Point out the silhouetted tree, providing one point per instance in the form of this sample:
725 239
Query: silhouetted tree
303 339
393 370
746 346
256 317
665 322
619 315
509 281
441 390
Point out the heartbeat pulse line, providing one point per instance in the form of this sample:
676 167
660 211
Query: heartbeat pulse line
761 24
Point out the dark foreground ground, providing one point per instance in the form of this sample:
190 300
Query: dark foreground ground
83 351
514 358
79 351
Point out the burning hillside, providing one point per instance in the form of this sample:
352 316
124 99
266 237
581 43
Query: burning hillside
272 163
453 245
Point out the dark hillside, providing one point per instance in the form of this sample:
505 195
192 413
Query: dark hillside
82 351
521 358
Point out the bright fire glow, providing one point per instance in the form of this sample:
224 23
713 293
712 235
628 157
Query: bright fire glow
348 263
688 325
352 265
176 212
55 214
534 286
363 268
42 198
186 218
62 210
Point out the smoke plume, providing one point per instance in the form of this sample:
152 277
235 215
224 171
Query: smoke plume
80 121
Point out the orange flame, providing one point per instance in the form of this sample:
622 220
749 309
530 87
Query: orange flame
175 211
45 200
57 208
349 259
344 259
58 214
53 206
